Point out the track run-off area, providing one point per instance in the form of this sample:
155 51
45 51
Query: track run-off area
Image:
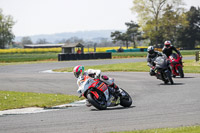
155 105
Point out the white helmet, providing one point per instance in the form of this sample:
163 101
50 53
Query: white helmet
78 70
150 50
167 44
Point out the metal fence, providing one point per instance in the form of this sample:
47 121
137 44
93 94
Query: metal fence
197 56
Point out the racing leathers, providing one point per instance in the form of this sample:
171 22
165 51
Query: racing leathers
168 50
96 74
150 61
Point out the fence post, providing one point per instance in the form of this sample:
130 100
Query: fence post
197 55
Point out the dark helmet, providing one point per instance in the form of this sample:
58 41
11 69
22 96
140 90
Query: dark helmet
150 50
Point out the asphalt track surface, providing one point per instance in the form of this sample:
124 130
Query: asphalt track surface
155 105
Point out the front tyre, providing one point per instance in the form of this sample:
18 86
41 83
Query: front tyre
97 103
168 73
180 71
125 99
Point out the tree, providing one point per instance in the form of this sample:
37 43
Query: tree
132 32
189 35
149 14
130 35
6 35
74 40
171 22
119 36
26 40
42 41
116 36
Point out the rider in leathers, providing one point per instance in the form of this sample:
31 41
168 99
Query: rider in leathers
168 49
96 74
151 56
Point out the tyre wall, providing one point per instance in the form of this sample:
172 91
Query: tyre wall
88 56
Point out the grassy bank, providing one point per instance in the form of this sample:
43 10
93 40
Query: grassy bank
190 129
53 56
12 100
190 66
7 58
144 54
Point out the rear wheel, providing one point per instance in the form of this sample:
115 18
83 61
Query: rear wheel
97 103
180 71
125 99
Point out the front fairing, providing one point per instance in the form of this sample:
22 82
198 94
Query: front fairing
84 85
174 59
161 62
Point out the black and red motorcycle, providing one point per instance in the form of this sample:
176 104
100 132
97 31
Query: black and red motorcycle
176 65
101 95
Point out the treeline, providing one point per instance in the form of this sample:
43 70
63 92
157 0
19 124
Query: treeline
161 20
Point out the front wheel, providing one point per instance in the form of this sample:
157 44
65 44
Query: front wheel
125 99
97 103
168 73
180 71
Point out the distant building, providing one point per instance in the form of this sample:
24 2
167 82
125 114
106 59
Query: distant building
43 45
70 48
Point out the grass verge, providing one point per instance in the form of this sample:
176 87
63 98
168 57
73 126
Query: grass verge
13 100
190 129
190 66
53 56
7 58
144 54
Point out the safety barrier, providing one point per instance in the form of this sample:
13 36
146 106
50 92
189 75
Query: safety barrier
197 56
128 50
87 56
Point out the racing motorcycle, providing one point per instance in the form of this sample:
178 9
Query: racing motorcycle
101 95
162 69
176 65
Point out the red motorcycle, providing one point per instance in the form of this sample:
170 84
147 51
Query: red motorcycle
176 65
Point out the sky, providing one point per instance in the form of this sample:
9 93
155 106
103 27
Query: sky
35 17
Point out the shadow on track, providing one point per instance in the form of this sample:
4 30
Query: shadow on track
113 108
172 84
183 78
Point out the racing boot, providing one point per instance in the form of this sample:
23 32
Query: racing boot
117 91
87 103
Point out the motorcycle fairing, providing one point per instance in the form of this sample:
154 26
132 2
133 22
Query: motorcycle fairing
175 62
95 94
85 85
102 87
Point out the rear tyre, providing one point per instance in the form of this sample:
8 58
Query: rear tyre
180 70
97 103
125 100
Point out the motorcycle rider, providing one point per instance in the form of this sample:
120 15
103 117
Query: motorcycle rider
168 48
151 56
96 74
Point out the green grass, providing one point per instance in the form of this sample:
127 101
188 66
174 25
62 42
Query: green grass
13 100
7 58
144 54
129 54
190 129
188 52
190 66
49 56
